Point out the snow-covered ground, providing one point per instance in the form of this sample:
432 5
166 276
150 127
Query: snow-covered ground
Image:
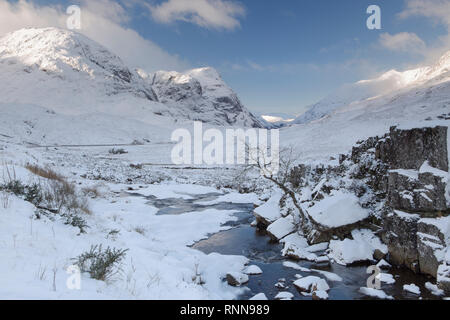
158 265
42 123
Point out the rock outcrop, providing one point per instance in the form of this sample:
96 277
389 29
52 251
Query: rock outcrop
409 149
416 199
400 235
401 179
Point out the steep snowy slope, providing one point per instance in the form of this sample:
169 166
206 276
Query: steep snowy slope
204 96
69 74
391 81
425 103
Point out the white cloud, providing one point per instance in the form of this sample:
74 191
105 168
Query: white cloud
435 9
438 11
101 20
212 14
403 42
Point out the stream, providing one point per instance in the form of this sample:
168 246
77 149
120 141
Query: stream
243 239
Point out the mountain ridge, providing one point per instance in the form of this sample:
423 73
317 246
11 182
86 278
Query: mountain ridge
69 73
390 82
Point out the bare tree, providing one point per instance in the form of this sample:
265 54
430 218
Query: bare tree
279 174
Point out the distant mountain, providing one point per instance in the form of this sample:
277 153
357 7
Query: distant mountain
391 82
275 120
69 74
203 94
410 99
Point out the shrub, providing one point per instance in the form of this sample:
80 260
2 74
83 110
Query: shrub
101 264
91 192
14 186
56 195
117 151
34 194
113 234
141 230
138 166
76 221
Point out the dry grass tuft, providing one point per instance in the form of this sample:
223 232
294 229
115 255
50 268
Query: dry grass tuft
46 173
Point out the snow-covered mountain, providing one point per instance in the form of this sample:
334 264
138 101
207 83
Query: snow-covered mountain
203 93
414 98
67 73
391 82
275 119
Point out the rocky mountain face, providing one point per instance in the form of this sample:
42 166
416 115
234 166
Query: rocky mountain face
203 94
402 180
68 73
392 85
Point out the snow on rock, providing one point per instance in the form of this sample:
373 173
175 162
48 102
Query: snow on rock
295 266
339 209
434 289
292 251
386 278
320 295
296 247
317 247
426 168
237 279
295 239
269 212
329 275
310 283
412 288
284 295
281 228
361 248
259 297
380 294
443 277
253 270
443 224
383 264
322 260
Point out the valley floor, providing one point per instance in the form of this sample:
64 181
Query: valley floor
165 256
159 264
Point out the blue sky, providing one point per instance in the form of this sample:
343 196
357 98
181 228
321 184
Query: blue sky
282 55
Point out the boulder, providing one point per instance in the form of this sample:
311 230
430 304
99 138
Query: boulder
319 295
269 212
359 249
443 277
335 216
237 279
253 270
400 236
409 149
430 245
293 252
308 284
284 295
412 191
281 228
259 297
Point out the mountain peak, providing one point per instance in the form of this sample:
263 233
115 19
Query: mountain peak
389 82
69 73
57 50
